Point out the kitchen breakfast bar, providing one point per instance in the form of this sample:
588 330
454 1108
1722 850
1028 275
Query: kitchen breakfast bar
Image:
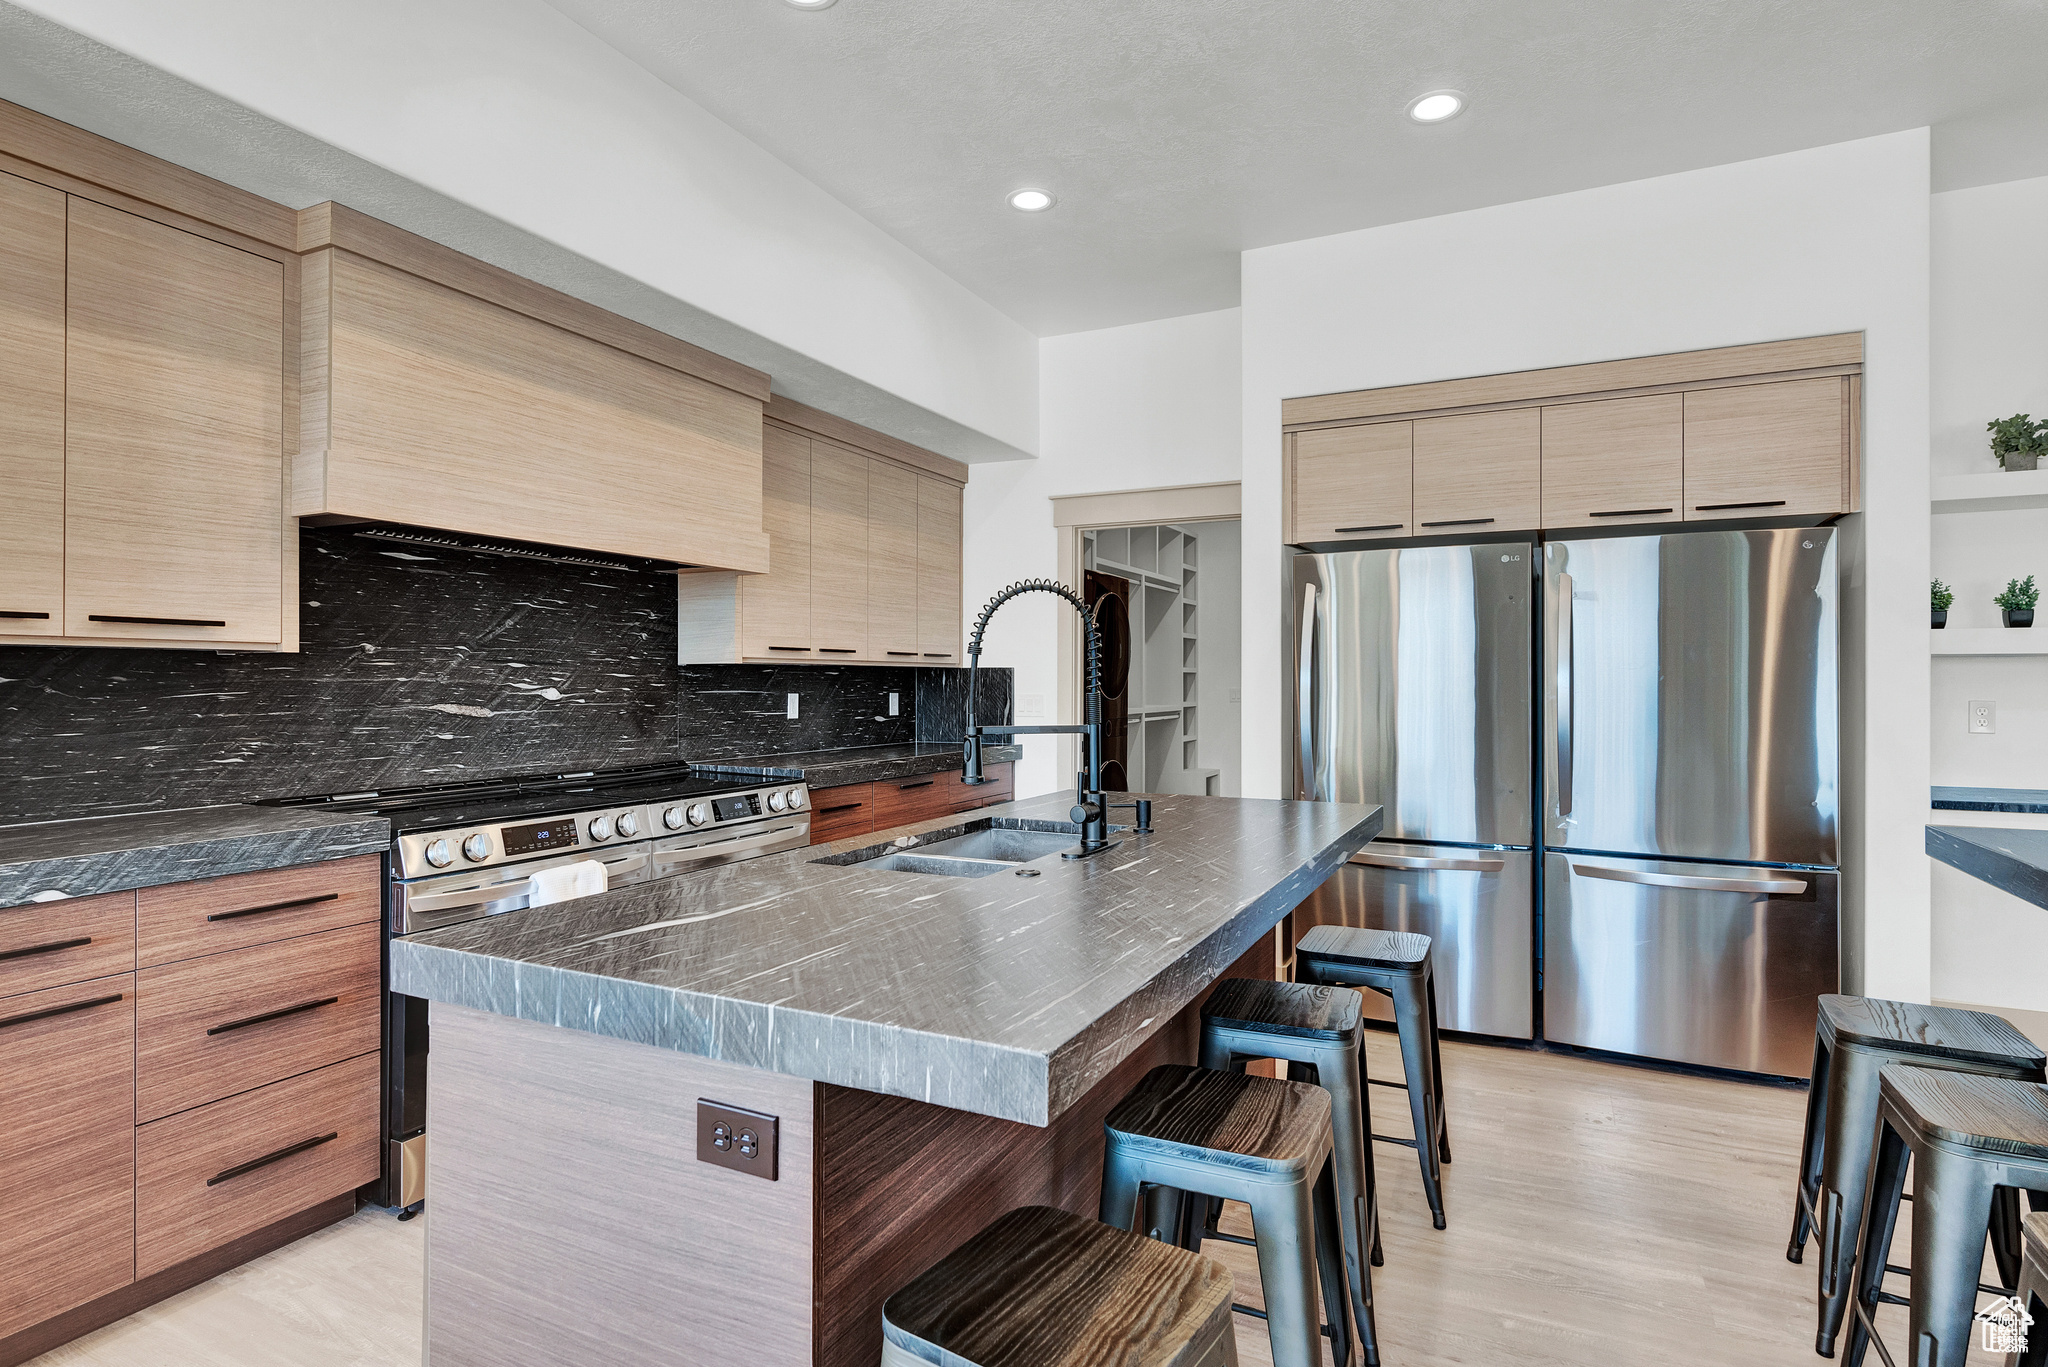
903 1035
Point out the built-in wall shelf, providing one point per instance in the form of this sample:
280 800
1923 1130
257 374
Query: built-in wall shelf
1989 492
1159 564
1989 641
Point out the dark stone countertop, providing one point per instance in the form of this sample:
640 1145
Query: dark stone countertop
2016 861
2033 800
865 764
147 849
1008 996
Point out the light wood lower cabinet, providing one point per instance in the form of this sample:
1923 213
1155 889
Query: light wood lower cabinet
1767 450
31 407
1614 461
67 1148
174 456
1353 483
938 571
1479 472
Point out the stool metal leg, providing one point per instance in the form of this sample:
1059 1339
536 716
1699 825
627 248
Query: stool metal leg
1436 1069
1330 1273
1119 1204
2033 1294
1284 1219
1951 1208
1845 1168
1809 1152
1412 1019
2005 1234
1874 1238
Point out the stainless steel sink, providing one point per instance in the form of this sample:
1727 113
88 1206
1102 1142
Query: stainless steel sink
1005 846
917 861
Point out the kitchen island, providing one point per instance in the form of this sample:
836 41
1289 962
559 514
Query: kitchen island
917 1051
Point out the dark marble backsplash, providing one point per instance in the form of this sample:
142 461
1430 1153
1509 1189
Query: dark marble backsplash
417 668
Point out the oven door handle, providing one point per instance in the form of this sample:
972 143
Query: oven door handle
665 860
510 888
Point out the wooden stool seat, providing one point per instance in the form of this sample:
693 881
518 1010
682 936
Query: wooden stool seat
1394 950
1044 1288
1910 1028
1299 1010
1995 1114
1193 1113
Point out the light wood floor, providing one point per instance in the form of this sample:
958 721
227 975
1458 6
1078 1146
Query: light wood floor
1599 1214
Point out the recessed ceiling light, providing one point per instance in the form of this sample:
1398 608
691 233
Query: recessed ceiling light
1032 201
810 4
1434 107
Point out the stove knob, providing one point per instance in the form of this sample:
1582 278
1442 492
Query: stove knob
600 828
629 823
672 818
699 813
777 800
440 854
796 799
477 848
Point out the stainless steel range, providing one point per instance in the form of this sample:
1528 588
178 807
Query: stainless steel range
462 851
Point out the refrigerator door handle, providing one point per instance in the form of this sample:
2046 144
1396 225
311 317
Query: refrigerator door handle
1567 695
1410 861
1693 882
1304 697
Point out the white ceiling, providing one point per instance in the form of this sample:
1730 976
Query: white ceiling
1178 133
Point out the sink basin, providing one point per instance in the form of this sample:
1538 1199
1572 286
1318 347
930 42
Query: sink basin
1005 846
917 861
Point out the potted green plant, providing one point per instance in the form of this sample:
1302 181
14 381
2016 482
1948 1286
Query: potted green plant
2018 441
1944 598
2018 601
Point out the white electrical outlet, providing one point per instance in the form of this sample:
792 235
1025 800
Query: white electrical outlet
1237 695
1030 706
791 714
1983 718
892 704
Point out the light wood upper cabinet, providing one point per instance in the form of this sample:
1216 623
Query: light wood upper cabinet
1353 483
1767 450
428 405
174 456
1479 472
839 551
1614 461
776 606
938 571
892 563
31 407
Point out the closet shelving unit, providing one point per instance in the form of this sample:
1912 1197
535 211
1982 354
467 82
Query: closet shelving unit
1161 563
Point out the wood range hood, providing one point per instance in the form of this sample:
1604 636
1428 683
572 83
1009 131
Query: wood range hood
437 391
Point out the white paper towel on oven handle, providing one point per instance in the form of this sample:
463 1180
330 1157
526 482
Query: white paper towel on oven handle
582 879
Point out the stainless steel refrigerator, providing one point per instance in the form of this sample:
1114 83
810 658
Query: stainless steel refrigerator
1690 730
1412 687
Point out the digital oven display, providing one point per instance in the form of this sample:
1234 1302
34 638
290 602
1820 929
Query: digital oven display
551 835
734 808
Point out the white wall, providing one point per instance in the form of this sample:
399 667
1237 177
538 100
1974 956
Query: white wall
1219 667
1990 360
508 107
1138 407
1829 240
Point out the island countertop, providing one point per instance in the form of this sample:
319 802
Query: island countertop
1008 996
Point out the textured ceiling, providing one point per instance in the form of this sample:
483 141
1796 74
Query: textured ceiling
1180 132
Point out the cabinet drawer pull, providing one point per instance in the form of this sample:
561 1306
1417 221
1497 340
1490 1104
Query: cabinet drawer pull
272 1015
938 654
1720 507
906 787
911 653
1461 522
837 650
273 906
267 1159
39 616
50 948
1629 512
842 807
1379 527
157 621
789 647
25 1017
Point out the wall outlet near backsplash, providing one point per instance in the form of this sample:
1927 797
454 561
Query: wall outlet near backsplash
1983 718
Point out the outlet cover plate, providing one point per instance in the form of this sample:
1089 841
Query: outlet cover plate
736 1126
1983 717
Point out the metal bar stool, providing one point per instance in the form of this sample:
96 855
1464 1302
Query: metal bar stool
1967 1136
1315 1029
1252 1139
1043 1288
2033 1292
1397 964
1853 1038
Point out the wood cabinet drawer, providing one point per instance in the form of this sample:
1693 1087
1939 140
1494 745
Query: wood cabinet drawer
839 812
67 1148
48 944
899 801
211 1175
1001 785
1767 450
185 920
211 1027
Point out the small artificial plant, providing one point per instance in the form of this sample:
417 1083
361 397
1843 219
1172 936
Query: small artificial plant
1944 596
2020 595
2017 435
